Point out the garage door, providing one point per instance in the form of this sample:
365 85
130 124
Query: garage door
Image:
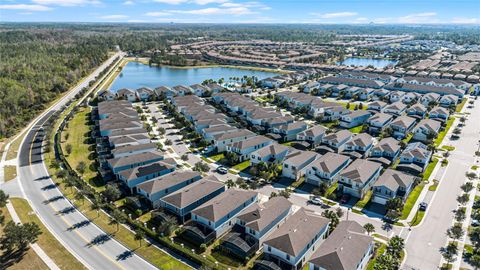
380 200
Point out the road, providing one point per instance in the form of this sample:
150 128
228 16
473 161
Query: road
83 239
424 241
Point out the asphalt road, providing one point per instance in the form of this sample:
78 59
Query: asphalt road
83 239
424 242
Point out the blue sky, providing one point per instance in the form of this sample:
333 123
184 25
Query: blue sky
249 11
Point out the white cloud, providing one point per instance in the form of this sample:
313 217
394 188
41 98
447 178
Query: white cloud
25 7
216 11
128 3
157 14
67 3
136 21
114 17
198 2
335 15
465 21
425 17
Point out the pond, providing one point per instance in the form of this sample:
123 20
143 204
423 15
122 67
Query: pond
135 75
363 62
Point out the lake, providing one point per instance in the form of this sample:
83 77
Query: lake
135 75
363 62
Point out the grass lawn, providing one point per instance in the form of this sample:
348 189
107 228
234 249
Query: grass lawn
381 236
412 198
474 167
242 166
361 203
225 258
296 184
205 159
379 251
331 189
418 218
287 143
442 134
429 169
356 129
46 240
79 132
30 259
10 172
448 147
408 138
434 186
461 105
217 157
330 124
14 147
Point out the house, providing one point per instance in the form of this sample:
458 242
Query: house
272 83
106 95
416 153
127 94
309 87
417 110
312 135
337 140
426 130
135 176
164 91
430 98
411 97
182 90
183 201
402 126
272 153
392 184
129 140
355 118
107 129
291 245
377 106
380 94
424 89
207 123
209 133
396 96
360 143
132 161
352 91
326 169
215 217
165 184
448 101
397 108
378 122
359 177
200 90
215 87
388 148
439 113
348 248
144 93
295 165
222 140
244 148
128 150
364 94
289 131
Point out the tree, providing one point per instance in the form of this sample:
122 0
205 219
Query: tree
273 195
161 130
395 246
386 262
112 193
475 261
449 252
67 135
117 217
456 231
369 228
169 225
81 167
467 187
230 183
285 193
19 236
184 157
463 199
201 167
339 212
139 235
68 148
168 142
460 214
69 182
334 220
79 196
3 198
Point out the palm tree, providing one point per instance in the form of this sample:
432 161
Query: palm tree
334 220
369 228
79 196
116 218
139 235
230 183
169 225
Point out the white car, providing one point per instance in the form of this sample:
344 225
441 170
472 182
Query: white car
316 201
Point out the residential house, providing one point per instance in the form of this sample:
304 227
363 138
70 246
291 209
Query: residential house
183 201
326 169
144 93
397 108
417 110
309 87
364 94
430 98
312 135
222 140
337 140
355 118
359 177
128 150
392 184
164 91
127 94
272 153
182 90
215 217
295 166
289 131
439 113
135 176
396 96
378 122
426 130
359 145
418 154
200 90
244 148
106 95
411 97
402 126
132 161
165 184
210 132
387 148
448 101
377 106
291 245
348 248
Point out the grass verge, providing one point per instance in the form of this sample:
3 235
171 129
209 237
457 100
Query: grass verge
461 105
242 166
429 169
10 172
412 198
46 240
442 134
361 203
418 218
14 147
379 251
434 186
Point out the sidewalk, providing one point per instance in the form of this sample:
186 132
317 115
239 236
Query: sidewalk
34 246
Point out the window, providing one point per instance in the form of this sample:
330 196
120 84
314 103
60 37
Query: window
269 249
288 257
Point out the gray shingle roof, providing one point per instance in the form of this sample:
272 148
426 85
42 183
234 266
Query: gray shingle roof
193 192
167 180
360 170
260 215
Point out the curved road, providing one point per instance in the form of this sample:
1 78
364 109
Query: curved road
83 239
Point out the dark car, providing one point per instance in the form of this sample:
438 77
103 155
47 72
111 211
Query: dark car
423 206
222 170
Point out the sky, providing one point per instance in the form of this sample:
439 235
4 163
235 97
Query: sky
241 11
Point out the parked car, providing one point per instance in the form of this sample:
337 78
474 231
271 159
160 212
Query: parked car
315 201
475 223
423 206
345 198
222 170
